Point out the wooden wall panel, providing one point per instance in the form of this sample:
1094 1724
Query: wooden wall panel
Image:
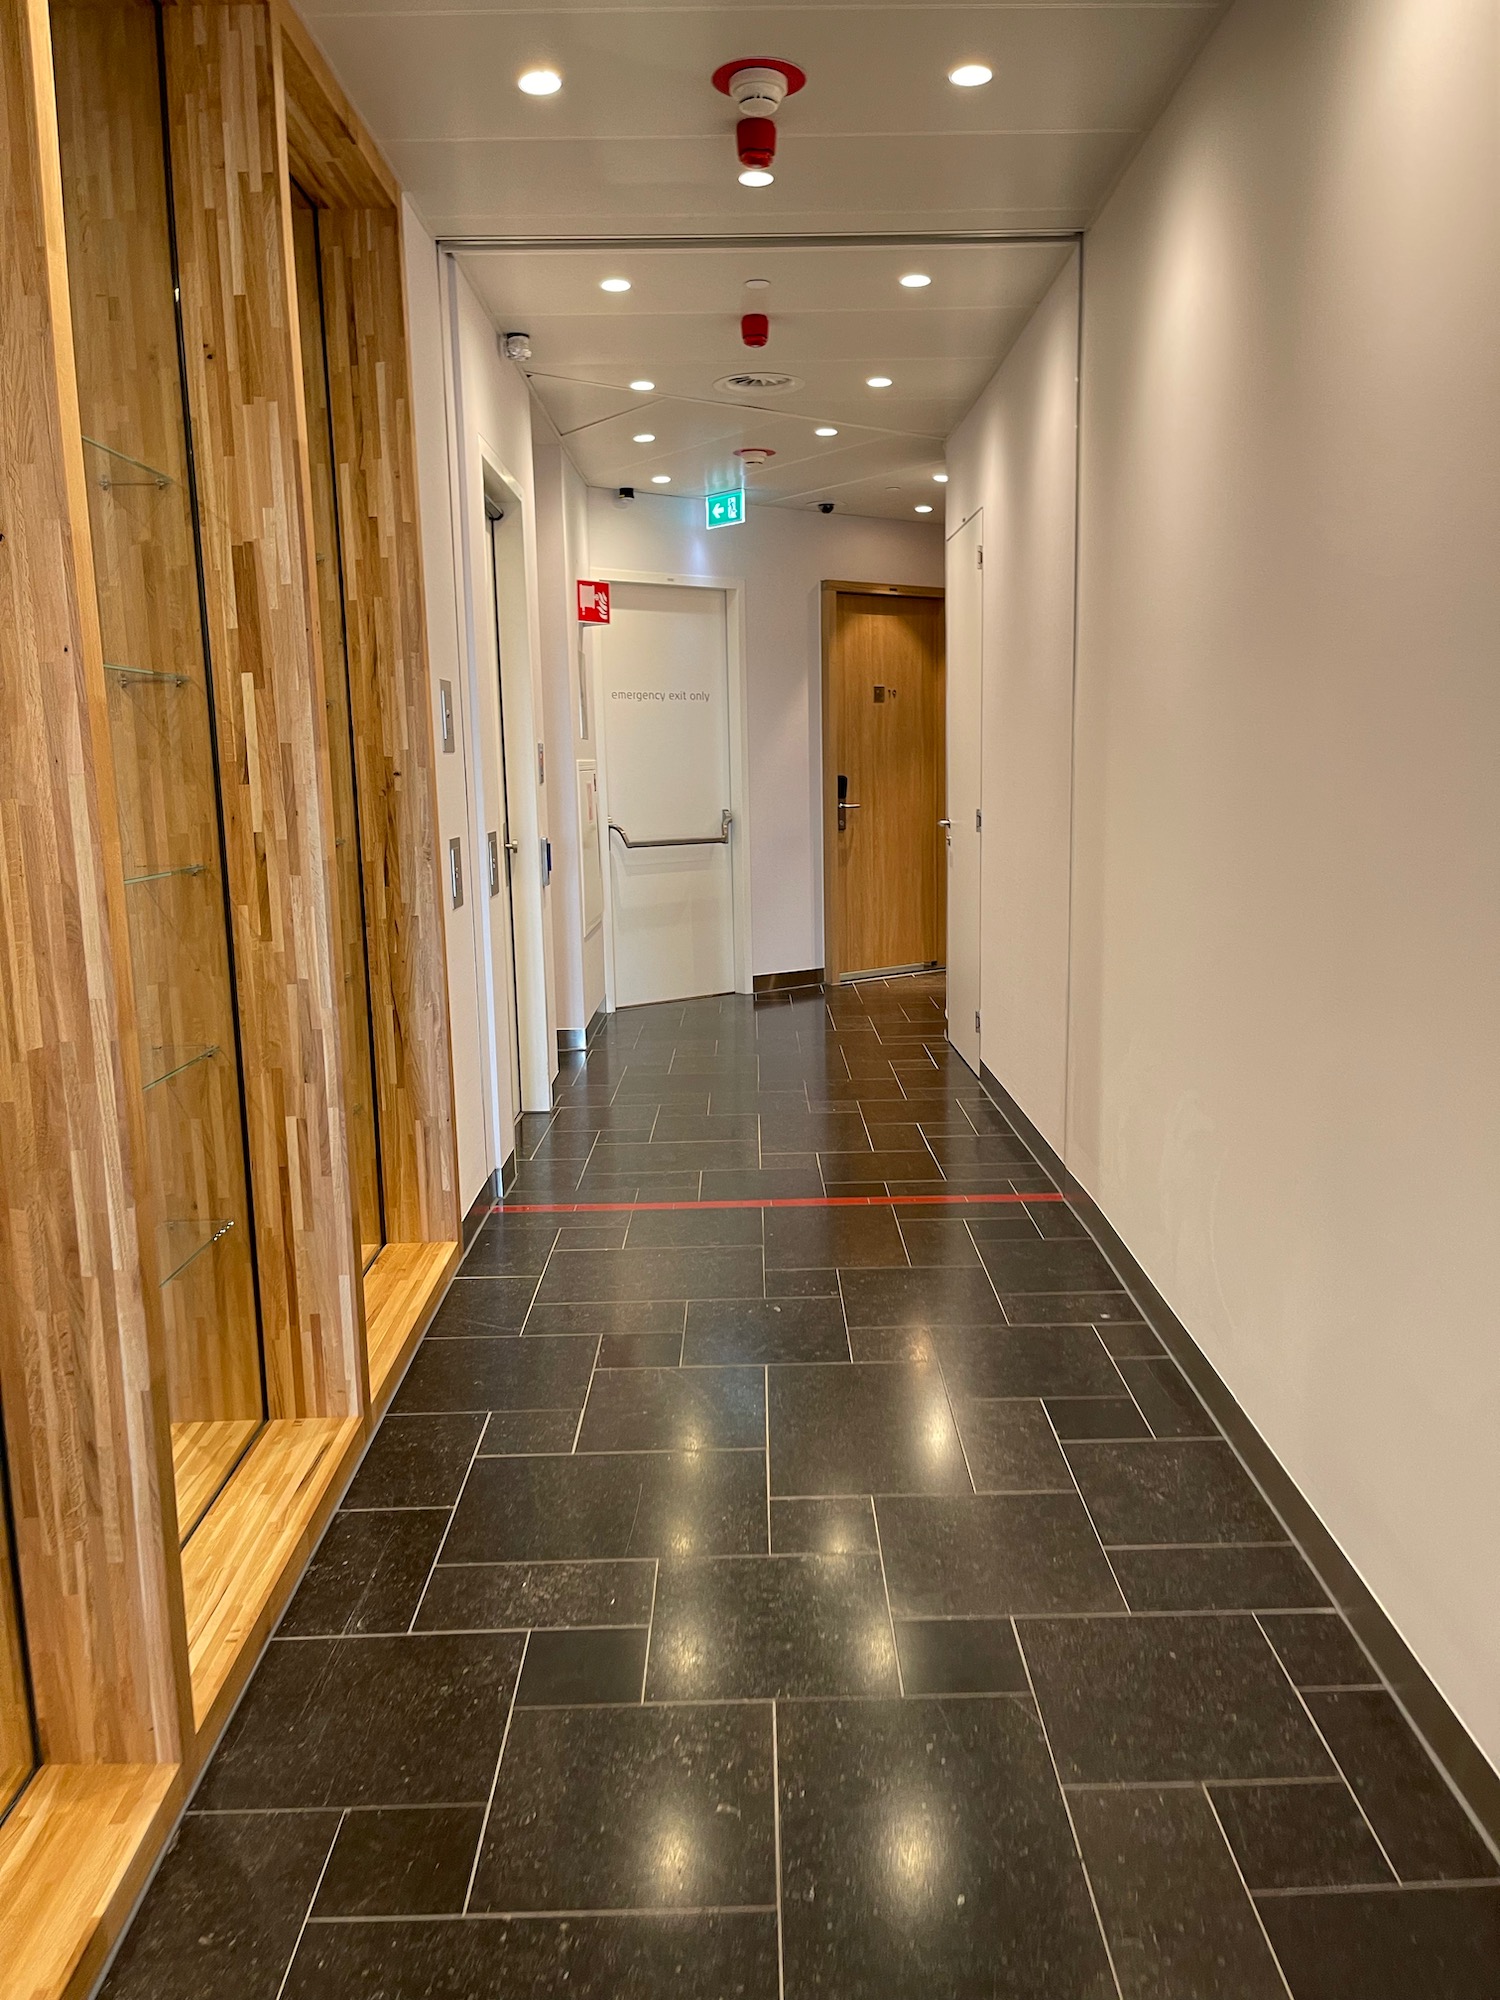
364 312
239 309
81 1379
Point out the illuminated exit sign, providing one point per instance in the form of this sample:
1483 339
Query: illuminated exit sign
725 510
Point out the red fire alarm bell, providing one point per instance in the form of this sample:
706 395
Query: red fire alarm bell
593 603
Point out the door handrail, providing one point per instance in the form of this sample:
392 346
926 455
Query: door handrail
719 839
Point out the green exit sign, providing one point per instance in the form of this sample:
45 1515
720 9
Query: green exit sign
725 510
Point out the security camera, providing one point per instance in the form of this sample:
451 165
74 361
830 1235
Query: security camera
625 495
825 506
517 346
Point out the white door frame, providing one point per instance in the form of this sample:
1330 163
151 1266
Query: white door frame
733 588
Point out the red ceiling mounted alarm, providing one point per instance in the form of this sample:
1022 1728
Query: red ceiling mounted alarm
755 329
758 85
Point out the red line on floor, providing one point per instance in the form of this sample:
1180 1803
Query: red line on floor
766 1201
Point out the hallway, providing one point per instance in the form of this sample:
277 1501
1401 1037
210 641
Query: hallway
788 1553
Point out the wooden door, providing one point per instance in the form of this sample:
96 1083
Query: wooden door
886 764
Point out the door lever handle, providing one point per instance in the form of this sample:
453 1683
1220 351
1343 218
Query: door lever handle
945 822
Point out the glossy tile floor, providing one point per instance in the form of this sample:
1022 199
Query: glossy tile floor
820 1601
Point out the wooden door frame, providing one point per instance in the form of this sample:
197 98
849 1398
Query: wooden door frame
832 905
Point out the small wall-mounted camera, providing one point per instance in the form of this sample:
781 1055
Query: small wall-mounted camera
516 346
624 496
825 506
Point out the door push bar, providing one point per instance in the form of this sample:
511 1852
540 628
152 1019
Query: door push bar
719 839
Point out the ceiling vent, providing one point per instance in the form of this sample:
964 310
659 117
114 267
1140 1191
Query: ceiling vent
757 382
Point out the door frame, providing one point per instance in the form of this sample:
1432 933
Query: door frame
733 588
832 907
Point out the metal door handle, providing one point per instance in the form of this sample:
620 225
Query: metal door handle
849 805
719 839
945 822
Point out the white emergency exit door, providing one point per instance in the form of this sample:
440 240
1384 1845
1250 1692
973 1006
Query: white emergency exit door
670 829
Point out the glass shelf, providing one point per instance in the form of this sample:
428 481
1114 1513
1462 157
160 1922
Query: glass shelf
187 1240
148 676
164 874
154 476
178 1063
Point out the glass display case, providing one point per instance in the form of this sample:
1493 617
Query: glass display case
360 1095
141 500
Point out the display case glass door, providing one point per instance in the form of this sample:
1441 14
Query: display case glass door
137 459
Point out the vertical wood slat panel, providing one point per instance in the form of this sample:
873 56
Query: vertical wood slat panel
239 311
373 441
80 1338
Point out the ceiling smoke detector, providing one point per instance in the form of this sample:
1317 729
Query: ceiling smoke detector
754 456
759 85
753 382
516 346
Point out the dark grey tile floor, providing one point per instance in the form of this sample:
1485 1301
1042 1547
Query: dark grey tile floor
807 1601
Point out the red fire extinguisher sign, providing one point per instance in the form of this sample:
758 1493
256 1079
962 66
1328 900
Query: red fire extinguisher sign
593 603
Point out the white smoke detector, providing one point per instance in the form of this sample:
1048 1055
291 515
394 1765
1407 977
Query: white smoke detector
754 456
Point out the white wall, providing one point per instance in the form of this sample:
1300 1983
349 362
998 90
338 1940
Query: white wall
1015 458
782 556
1286 960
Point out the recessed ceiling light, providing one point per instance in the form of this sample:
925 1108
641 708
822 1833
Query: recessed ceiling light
756 177
877 381
967 75
643 387
941 478
923 509
826 431
614 284
661 479
915 280
757 284
645 437
539 82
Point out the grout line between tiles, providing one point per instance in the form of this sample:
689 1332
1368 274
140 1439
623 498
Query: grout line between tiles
307 1913
890 1616
448 1528
489 1804
776 1823
1234 1862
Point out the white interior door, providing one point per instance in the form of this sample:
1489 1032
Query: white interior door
965 602
665 663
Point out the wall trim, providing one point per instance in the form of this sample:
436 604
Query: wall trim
1473 1778
787 982
483 1202
571 1040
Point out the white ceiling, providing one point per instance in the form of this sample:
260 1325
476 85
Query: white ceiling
638 142
838 315
639 145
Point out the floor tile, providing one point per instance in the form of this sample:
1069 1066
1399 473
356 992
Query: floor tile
632 1809
920 1298
223 1913
745 1629
813 1132
933 1240
680 1125
578 1275
1319 1650
564 1669
863 1429
819 1238
674 1409
511 1247
1112 1417
1166 1399
401 1861
1438 1944
992 1555
892 1343
907 1167
1227 1578
1012 1448
500 1597
960 1656
641 1350
841 1526
1067 1308
1299 1836
483 1305
802 1284
510 1432
1171 1492
1063 1265
926 1851
366 1722
496 1375
775 1181
367 1574
1422 1827
581 1318
416 1462
622 1504
694 1228
725 1331
995 1362
1158 1700
1179 1923
1132 1339
625 1958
